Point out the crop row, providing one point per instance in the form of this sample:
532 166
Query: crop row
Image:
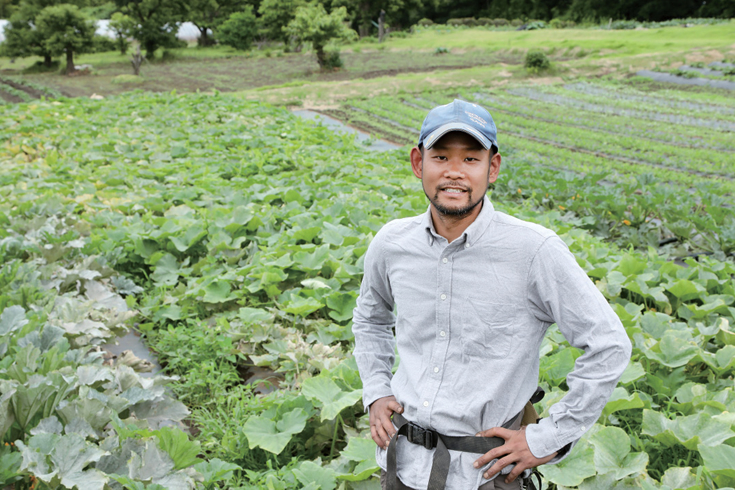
646 130
623 144
14 92
609 109
667 204
717 108
717 164
671 101
15 86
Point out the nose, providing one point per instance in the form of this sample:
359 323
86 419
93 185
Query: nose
454 169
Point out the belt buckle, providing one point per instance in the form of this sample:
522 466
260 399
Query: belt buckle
420 436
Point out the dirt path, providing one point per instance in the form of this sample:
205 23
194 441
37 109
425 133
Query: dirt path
338 126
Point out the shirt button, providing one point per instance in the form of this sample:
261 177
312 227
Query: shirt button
436 369
582 428
466 245
442 333
426 403
445 260
443 296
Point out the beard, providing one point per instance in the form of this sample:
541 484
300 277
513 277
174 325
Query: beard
455 212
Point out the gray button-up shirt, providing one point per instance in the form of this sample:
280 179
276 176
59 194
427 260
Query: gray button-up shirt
469 319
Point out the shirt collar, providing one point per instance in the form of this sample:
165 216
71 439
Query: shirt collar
472 233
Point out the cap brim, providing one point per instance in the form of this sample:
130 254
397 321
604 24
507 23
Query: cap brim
457 126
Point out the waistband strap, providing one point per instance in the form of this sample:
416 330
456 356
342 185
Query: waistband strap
432 439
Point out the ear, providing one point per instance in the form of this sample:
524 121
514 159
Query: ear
492 175
417 162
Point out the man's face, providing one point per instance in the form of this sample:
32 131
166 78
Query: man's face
455 173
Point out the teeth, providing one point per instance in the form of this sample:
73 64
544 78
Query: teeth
457 191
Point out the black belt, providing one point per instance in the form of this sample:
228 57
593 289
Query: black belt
431 439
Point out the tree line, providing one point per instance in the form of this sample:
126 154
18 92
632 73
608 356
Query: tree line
49 28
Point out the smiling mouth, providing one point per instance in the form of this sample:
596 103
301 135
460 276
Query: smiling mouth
453 189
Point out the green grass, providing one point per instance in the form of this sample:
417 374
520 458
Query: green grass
620 43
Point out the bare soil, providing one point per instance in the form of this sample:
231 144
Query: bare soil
7 97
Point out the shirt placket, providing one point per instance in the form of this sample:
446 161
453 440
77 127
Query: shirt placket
444 296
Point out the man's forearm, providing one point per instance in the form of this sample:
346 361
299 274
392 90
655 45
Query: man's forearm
374 353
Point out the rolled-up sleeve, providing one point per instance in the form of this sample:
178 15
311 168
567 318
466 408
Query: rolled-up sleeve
372 324
560 292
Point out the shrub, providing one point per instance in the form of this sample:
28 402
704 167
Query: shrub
535 24
500 22
425 22
239 30
624 24
42 67
465 21
536 61
398 34
484 21
332 60
441 50
516 22
102 44
684 73
167 56
557 24
127 79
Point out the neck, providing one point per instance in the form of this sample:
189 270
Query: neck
452 227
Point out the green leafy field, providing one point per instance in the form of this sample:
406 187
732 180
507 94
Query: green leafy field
232 234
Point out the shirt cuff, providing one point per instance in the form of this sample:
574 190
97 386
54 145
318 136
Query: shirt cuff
543 440
375 393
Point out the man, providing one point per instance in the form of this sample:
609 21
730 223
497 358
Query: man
475 291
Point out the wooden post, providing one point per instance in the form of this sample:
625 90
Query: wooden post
381 26
136 60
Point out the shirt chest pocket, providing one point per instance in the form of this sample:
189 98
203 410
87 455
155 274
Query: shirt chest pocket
487 329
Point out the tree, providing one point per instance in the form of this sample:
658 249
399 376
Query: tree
21 36
313 24
7 7
362 13
122 26
275 14
208 15
239 30
65 29
155 22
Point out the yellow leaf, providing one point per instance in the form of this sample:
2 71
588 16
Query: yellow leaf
84 198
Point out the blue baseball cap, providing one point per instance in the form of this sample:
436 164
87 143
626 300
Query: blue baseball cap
459 115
